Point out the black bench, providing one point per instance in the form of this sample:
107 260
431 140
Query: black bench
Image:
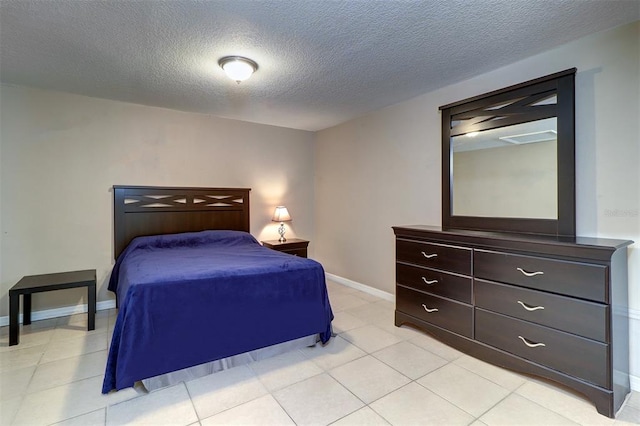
48 282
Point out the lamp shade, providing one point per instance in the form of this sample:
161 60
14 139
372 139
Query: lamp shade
281 214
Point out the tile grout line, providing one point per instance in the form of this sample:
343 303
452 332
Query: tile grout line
494 405
80 415
193 404
551 409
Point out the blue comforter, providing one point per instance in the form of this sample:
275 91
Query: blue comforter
187 299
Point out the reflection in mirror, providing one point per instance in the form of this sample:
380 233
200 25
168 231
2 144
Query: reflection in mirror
507 172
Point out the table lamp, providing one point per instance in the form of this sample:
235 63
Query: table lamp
281 214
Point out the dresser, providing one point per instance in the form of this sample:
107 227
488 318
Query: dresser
548 306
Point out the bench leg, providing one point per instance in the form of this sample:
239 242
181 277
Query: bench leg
91 310
26 309
14 307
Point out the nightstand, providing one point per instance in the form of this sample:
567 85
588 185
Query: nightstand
48 282
294 246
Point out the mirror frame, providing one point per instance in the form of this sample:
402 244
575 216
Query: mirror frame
563 84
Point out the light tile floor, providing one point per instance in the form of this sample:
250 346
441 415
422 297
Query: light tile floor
371 373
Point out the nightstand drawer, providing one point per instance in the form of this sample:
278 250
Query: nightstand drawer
440 283
293 246
560 351
583 280
438 256
445 313
302 252
587 319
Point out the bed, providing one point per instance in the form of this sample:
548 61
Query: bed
196 292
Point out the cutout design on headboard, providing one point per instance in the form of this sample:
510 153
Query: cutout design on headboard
181 200
146 210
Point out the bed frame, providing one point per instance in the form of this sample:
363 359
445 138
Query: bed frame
153 210
146 210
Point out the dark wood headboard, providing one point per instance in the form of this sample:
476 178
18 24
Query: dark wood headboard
151 210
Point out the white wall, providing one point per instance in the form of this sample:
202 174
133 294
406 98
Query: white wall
384 169
62 153
496 182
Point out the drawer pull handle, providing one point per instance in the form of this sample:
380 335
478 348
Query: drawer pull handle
531 345
429 282
429 310
429 256
530 308
530 274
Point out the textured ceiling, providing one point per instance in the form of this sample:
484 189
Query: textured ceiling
321 62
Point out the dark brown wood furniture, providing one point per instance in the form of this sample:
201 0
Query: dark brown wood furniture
48 282
508 282
148 210
546 97
294 246
550 306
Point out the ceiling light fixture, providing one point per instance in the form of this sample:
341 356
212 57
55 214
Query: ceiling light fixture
238 68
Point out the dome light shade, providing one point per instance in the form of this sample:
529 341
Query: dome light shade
238 68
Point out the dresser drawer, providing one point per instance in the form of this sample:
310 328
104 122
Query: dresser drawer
570 354
444 284
453 316
583 280
443 257
587 319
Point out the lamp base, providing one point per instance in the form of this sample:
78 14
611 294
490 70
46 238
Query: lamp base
281 231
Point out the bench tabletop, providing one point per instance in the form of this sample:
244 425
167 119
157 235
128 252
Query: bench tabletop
60 280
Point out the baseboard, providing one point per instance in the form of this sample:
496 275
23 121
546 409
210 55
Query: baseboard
362 287
61 312
634 315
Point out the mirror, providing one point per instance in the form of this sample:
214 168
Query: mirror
508 159
490 178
